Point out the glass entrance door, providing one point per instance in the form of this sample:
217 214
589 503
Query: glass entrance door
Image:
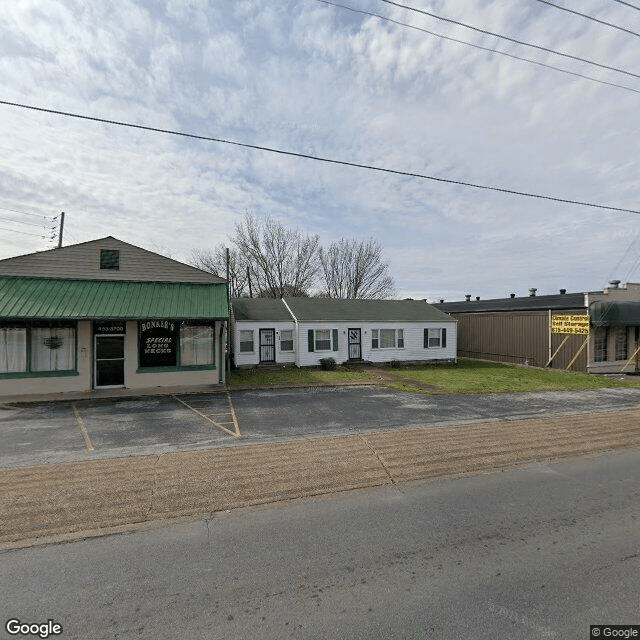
109 361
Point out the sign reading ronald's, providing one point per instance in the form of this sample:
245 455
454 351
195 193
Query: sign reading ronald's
570 324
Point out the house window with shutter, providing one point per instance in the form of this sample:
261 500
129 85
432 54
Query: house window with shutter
435 338
323 340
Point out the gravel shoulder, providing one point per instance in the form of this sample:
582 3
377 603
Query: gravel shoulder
49 503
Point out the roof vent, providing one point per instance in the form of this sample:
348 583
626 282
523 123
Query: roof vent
532 291
613 284
467 297
477 297
563 291
441 300
513 295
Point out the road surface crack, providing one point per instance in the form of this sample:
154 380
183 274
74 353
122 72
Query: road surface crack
377 455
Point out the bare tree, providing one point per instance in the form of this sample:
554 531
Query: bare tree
355 269
215 262
282 261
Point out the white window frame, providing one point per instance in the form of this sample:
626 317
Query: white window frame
434 338
316 340
376 339
241 341
288 339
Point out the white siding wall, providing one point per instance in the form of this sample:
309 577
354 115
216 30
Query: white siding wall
413 342
246 359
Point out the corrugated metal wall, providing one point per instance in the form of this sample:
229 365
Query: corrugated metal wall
517 337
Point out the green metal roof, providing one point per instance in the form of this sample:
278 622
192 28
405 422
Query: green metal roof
55 298
260 309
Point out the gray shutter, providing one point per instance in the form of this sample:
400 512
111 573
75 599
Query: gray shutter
444 338
310 344
335 339
426 338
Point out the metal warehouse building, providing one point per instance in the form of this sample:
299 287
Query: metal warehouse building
523 330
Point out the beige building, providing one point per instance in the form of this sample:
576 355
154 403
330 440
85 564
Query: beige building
108 314
614 341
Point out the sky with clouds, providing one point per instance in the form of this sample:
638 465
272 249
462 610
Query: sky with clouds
307 77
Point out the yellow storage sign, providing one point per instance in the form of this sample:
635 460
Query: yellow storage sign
570 324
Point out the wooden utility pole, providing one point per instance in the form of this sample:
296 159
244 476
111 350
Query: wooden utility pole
61 228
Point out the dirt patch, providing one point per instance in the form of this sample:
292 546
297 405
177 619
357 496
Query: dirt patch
47 502
384 377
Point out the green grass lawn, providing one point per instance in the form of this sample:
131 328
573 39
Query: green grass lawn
468 376
473 376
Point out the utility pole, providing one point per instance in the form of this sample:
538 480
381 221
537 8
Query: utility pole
61 228
228 362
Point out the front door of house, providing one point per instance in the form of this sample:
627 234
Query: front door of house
267 345
355 344
109 361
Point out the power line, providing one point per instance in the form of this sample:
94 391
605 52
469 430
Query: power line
318 158
477 46
584 15
24 213
27 222
25 233
497 35
628 4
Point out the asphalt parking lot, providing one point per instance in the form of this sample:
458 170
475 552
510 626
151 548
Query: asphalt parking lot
37 433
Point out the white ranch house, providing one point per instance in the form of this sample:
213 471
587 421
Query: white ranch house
302 331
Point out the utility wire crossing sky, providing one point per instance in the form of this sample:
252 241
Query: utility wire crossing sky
460 156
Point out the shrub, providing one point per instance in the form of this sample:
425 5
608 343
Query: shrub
328 364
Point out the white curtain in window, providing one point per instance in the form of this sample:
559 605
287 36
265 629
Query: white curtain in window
13 349
196 345
53 349
387 338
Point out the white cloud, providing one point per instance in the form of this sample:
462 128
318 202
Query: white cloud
306 77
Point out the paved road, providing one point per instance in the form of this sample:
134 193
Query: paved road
90 429
536 552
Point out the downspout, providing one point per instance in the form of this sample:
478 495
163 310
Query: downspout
295 321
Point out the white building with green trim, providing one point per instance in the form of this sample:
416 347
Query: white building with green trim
302 331
108 314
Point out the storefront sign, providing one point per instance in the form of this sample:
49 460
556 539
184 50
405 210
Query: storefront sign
570 324
110 326
158 343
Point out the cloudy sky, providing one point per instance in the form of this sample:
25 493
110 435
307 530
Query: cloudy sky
307 77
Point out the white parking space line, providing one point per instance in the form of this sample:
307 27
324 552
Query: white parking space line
235 434
233 415
83 430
